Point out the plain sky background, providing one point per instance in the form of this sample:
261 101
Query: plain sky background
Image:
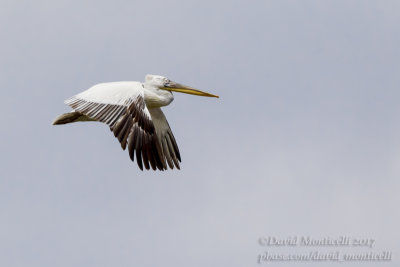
304 140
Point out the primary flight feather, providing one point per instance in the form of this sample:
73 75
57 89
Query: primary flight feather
133 112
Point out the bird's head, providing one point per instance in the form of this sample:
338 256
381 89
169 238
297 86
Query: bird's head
166 84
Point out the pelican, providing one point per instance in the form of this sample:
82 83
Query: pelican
133 112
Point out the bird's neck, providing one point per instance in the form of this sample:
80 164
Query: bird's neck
155 97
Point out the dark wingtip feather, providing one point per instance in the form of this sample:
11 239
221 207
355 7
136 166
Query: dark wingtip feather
139 159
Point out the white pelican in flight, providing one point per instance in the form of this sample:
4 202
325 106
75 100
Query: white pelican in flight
132 110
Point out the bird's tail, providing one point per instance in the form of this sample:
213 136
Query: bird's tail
71 117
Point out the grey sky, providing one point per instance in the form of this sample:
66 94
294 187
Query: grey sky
305 139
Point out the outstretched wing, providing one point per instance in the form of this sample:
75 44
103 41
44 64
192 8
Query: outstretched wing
165 137
121 105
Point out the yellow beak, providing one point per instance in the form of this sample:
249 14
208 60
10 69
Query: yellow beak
176 87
